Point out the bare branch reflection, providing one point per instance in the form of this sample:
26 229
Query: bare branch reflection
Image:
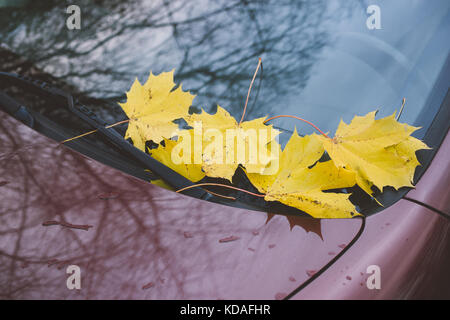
213 45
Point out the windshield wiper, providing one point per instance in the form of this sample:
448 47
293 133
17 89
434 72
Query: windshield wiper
172 178
158 170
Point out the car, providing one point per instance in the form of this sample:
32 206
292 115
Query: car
80 220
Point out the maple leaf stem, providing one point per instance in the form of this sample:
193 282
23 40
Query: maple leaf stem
221 185
401 109
301 119
93 131
221 195
250 89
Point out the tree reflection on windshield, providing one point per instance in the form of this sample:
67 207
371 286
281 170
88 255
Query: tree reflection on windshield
213 45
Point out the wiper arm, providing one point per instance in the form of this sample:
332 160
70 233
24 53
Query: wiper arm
169 176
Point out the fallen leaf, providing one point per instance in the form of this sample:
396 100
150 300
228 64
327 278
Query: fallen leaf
228 144
152 107
406 151
166 155
380 152
299 186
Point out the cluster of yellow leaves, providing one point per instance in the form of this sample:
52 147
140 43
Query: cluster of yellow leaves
366 152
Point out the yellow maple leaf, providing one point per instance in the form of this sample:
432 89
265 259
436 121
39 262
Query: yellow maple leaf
297 185
380 152
406 152
167 155
225 144
152 107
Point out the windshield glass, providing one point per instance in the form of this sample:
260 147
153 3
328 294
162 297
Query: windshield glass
322 60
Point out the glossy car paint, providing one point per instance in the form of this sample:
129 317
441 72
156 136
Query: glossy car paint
410 244
144 242
436 178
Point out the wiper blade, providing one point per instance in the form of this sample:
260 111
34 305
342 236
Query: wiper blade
171 177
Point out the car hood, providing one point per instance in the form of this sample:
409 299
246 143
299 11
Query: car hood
132 239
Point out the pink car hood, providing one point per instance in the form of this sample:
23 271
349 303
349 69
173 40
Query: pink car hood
142 241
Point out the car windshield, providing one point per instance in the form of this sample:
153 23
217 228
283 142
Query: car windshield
322 60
